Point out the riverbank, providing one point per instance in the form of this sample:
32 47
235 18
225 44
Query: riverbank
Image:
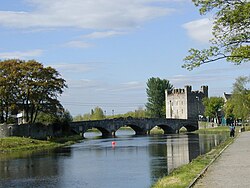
186 174
11 144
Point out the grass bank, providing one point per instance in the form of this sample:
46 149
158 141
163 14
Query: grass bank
184 175
10 144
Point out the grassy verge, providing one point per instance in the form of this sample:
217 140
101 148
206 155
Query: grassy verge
215 130
10 144
67 140
184 175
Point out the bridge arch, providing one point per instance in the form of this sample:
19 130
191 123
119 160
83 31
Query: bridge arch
105 132
138 130
167 129
190 127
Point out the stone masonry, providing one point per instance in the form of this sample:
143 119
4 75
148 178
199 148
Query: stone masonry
185 103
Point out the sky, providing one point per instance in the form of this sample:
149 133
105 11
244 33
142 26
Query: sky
106 50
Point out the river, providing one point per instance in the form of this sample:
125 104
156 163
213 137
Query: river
131 161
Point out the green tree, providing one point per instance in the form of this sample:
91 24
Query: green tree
228 110
40 88
86 117
65 116
97 114
30 87
9 79
231 33
213 106
78 117
156 96
139 113
239 103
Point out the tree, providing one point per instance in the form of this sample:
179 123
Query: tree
30 87
78 117
156 96
40 88
228 110
9 75
238 105
139 113
231 33
213 106
97 114
66 116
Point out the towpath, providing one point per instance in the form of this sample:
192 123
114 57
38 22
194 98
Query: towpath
232 168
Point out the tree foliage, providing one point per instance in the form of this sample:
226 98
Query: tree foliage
139 113
29 87
96 114
238 106
156 96
64 117
212 106
231 33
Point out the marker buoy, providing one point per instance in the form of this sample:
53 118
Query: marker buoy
113 143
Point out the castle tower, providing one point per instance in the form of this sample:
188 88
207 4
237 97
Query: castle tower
185 103
204 89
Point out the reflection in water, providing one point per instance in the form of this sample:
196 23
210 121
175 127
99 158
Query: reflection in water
178 153
135 161
178 150
30 168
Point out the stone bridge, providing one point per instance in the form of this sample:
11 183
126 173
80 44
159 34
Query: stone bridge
141 126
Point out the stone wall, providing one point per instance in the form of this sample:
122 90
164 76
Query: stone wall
176 104
185 103
37 131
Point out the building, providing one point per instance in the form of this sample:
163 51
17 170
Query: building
226 96
185 103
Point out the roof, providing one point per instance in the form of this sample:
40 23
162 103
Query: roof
227 96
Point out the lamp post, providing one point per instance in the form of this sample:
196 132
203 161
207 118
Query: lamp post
198 106
170 109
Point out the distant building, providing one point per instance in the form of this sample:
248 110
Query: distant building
226 96
185 103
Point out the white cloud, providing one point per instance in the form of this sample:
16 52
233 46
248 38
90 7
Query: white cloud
83 84
74 68
130 86
78 44
91 14
20 55
200 30
104 34
102 86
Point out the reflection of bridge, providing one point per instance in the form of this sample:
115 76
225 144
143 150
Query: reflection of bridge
141 126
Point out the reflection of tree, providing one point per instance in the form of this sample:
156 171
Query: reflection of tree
31 167
158 159
193 146
209 141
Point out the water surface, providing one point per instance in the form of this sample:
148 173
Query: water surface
135 161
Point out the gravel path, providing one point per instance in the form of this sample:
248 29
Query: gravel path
232 168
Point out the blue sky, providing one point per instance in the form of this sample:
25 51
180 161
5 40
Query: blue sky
108 49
